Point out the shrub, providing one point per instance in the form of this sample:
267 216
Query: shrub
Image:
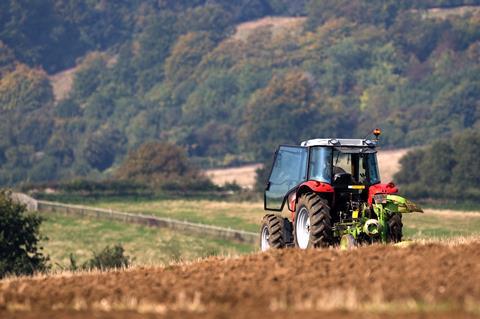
232 186
106 187
19 237
108 258
162 165
183 185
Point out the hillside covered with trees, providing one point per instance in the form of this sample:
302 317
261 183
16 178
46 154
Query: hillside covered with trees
173 71
448 170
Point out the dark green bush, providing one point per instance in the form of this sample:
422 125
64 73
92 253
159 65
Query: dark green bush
20 253
108 258
67 108
232 186
196 184
85 187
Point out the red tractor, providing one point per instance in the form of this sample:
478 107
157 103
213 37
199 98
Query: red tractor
332 189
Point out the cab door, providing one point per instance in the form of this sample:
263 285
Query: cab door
288 171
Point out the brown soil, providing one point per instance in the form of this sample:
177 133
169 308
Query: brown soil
244 176
419 281
445 13
62 83
277 24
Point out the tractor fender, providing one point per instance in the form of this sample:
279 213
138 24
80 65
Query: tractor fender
389 188
306 187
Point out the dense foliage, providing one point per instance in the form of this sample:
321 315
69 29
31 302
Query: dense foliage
19 237
448 170
175 71
162 165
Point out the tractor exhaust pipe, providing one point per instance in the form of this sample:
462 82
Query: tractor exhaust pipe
371 227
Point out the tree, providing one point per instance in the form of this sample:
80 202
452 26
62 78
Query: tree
378 12
279 113
410 167
445 170
209 17
89 76
156 163
25 89
101 148
287 7
186 54
153 48
67 108
466 173
19 239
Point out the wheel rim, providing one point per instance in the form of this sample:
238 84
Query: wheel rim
303 228
264 244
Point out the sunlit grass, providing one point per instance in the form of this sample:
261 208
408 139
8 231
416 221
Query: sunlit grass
441 224
247 216
236 215
148 246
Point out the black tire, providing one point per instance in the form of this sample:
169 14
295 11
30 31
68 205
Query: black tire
395 228
274 225
320 233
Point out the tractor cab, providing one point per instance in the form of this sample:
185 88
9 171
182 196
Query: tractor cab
333 166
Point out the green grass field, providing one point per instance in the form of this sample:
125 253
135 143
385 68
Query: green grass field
161 246
247 216
149 246
236 215
441 224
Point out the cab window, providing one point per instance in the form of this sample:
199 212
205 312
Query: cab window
289 169
321 164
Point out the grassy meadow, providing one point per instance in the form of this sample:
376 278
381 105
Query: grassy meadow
441 224
434 223
149 246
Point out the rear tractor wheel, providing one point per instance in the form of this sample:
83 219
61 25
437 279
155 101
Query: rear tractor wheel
313 226
395 227
276 232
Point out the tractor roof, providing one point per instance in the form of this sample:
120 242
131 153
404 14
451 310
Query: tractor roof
336 142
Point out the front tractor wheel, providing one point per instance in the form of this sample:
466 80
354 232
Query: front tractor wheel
273 232
395 227
312 227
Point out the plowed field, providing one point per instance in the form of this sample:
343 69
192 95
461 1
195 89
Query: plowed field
419 281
